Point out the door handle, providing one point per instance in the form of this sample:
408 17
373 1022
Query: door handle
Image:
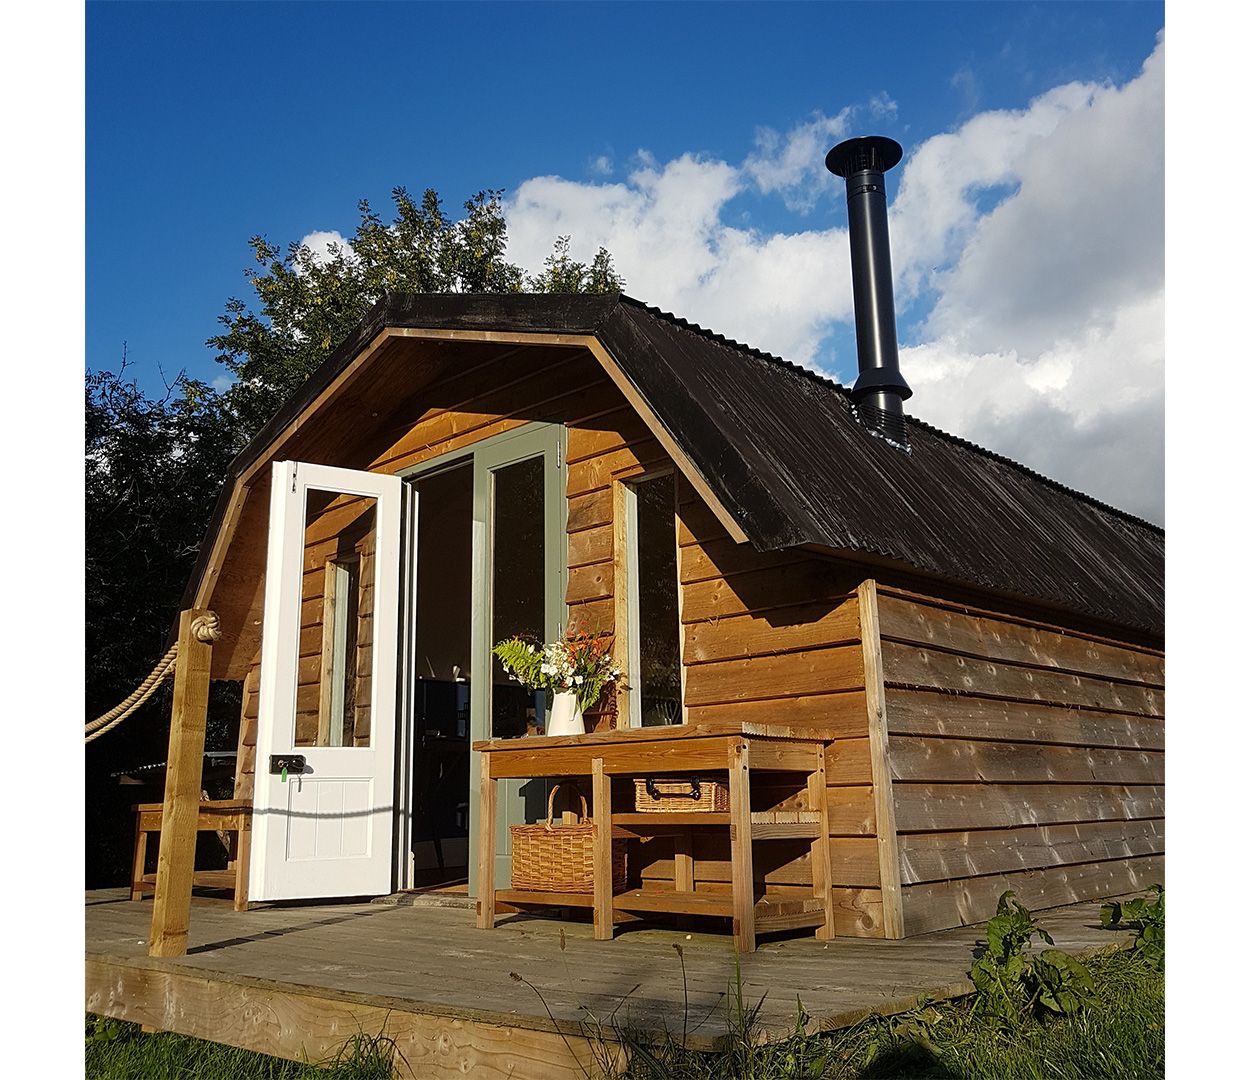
291 763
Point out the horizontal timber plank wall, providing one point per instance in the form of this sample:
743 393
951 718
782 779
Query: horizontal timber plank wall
766 637
1022 755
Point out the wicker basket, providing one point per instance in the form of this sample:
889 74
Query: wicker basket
549 857
681 794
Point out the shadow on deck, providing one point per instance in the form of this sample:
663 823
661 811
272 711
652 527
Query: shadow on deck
298 982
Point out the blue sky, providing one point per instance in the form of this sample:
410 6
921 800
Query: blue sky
688 138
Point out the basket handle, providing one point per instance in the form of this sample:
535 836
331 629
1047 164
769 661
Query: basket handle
693 795
551 804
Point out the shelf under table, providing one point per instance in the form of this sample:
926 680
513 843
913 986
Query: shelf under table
775 912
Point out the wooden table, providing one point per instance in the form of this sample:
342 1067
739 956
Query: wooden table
642 752
216 815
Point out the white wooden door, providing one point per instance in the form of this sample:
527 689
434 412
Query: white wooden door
325 743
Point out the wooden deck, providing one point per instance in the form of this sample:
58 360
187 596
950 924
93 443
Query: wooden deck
299 981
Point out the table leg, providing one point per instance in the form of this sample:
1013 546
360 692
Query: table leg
141 857
742 872
601 794
488 799
822 865
242 860
683 861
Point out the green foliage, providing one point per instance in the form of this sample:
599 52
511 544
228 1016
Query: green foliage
562 274
1118 1037
308 302
1011 982
1146 917
522 659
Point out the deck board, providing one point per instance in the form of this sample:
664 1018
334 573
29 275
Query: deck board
435 962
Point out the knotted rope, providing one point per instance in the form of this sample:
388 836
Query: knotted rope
205 628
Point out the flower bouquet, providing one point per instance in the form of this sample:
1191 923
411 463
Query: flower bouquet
575 669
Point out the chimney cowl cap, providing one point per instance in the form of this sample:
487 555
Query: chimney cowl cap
868 153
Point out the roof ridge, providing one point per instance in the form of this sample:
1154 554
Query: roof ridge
959 440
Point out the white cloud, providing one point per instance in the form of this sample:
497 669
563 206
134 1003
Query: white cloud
882 107
319 243
1044 335
793 164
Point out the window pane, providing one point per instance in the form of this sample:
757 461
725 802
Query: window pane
336 624
517 588
659 657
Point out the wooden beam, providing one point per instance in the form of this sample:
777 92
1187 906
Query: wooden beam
740 845
175 867
879 751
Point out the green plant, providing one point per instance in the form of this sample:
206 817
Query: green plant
1012 983
522 660
1146 917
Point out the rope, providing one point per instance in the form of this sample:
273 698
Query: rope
205 628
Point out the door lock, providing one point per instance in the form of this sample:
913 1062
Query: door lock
287 763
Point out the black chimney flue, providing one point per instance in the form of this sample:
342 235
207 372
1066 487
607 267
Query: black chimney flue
880 389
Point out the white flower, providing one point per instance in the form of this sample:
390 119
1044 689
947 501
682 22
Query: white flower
577 680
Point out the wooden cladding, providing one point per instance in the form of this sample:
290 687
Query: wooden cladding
1021 756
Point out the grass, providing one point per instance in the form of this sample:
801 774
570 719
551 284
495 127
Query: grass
120 1051
1119 1038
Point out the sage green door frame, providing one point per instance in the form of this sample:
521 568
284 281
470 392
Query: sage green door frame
519 800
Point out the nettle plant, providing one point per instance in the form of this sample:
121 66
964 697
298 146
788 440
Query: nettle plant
1012 983
579 663
1145 915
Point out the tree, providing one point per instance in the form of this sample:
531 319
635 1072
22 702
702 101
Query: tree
153 467
309 302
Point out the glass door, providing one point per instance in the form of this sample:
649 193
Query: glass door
519 514
485 561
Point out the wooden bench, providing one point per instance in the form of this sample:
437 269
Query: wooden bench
216 815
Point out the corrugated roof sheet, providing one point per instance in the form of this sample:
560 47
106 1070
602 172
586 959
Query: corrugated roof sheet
780 447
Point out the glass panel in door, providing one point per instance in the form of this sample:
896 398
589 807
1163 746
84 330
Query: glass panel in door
336 623
518 593
443 668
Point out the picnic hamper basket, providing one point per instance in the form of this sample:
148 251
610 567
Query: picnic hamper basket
681 794
549 857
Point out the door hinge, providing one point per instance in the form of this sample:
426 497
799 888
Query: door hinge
294 470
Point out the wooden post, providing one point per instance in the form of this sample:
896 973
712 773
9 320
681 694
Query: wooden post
175 865
488 797
879 754
822 869
601 794
742 870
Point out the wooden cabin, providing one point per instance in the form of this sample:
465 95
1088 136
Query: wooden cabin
941 673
